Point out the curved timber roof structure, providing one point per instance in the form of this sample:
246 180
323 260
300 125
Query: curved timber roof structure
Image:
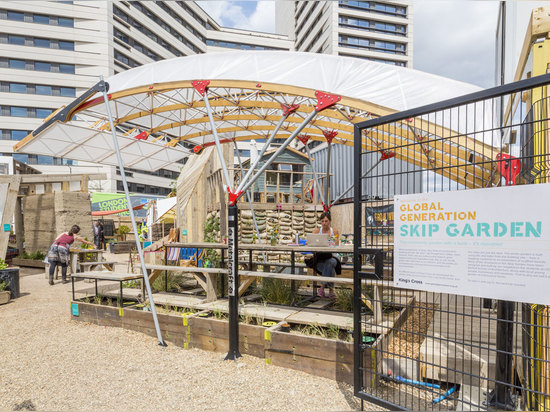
164 109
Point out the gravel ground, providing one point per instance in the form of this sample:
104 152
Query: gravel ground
50 362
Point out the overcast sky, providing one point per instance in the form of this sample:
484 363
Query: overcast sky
455 39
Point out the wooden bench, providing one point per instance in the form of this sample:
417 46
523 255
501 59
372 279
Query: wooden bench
92 266
205 276
106 275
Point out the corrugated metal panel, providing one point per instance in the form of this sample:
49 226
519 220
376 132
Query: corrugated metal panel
341 167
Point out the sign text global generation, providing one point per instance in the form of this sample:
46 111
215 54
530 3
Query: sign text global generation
458 223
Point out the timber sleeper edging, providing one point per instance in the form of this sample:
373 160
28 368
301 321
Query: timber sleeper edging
315 355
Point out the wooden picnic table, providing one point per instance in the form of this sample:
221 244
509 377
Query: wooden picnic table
76 255
106 275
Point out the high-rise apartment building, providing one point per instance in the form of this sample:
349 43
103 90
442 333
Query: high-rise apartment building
52 51
374 30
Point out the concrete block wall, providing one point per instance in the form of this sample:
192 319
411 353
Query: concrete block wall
47 215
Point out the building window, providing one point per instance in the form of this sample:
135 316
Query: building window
42 66
43 90
18 111
23 158
38 42
43 113
66 68
19 40
15 15
65 22
375 7
16 64
66 45
372 45
372 25
67 91
41 19
19 134
242 152
18 88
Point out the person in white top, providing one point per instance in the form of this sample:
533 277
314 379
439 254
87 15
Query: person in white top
326 262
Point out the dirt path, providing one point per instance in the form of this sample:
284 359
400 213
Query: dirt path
50 362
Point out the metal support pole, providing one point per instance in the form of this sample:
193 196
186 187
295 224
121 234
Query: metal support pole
217 140
250 203
233 282
341 195
279 150
264 148
327 183
317 187
131 211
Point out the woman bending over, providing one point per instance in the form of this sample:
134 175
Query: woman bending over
59 252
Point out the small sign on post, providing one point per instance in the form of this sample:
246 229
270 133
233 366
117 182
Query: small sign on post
7 227
184 232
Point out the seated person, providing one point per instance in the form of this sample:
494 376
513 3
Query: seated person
327 265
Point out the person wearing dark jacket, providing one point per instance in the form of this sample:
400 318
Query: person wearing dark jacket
327 264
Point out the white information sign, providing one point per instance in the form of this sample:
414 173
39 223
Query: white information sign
491 243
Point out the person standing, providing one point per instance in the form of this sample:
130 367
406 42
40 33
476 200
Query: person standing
58 254
327 264
102 237
98 234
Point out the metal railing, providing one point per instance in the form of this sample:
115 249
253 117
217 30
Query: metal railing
442 351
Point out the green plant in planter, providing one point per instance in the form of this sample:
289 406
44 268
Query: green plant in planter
276 291
122 231
344 299
3 264
211 231
3 286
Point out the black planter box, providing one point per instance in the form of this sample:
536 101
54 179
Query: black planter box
11 277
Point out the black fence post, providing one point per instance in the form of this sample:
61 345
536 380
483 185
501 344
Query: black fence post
357 262
233 282
501 397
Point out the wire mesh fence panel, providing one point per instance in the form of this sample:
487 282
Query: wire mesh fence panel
419 343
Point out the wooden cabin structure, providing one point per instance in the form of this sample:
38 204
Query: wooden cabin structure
287 180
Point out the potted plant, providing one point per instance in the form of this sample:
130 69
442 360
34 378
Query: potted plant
122 231
4 294
10 276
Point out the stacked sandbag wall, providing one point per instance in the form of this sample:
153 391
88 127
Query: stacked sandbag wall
286 222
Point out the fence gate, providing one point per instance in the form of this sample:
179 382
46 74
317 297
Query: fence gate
422 350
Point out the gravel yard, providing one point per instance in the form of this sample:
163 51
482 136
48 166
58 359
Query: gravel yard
50 362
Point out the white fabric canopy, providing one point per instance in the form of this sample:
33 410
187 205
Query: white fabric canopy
247 93
394 87
91 145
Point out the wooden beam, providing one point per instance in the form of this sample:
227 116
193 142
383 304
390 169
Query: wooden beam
7 215
49 178
84 184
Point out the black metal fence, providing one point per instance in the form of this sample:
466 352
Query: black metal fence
423 350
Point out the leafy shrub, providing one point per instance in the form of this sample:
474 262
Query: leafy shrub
123 230
344 299
37 255
175 282
276 291
3 264
3 285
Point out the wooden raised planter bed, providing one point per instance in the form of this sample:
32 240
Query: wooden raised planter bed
315 355
31 263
